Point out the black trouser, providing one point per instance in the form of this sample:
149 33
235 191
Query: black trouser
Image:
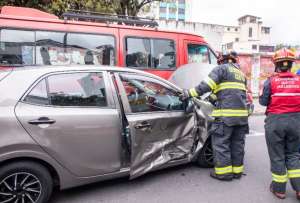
283 141
229 147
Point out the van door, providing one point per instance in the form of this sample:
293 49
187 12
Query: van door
161 132
152 51
75 122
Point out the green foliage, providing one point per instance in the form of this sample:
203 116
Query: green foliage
57 7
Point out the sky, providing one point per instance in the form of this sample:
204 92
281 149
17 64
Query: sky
282 16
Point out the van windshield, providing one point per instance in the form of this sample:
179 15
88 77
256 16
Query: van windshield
20 47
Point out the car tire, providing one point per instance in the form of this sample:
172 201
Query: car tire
26 181
205 156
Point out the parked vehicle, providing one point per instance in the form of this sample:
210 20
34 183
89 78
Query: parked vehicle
33 37
67 126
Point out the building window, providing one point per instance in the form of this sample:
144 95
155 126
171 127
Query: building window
229 46
237 39
252 20
181 11
163 10
265 30
254 47
266 48
236 29
250 31
228 29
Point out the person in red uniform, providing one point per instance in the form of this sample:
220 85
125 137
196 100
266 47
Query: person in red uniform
281 95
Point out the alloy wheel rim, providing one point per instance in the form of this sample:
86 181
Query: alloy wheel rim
20 187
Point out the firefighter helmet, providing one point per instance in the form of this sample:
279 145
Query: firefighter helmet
284 55
283 60
227 57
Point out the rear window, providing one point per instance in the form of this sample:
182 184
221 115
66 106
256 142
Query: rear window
148 53
20 47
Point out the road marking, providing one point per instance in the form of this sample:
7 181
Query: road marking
255 134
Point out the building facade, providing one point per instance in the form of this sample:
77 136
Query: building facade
167 10
250 36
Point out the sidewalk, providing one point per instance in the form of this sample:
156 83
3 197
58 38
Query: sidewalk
258 109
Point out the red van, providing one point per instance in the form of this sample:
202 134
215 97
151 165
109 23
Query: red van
32 37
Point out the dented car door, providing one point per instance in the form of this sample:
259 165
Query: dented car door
160 131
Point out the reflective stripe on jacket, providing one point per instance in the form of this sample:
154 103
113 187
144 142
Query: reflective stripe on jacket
285 93
228 82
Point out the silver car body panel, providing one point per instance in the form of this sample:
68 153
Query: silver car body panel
169 138
49 143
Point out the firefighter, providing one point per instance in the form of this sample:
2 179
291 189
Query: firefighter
281 95
230 126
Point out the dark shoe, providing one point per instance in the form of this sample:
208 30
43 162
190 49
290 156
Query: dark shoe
238 175
227 177
298 195
279 195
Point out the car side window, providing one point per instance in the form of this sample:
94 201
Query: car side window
77 89
198 53
148 95
38 94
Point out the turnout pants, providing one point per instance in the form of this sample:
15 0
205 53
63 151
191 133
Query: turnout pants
228 147
283 141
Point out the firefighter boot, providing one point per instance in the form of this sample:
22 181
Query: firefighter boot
298 195
237 175
225 177
279 195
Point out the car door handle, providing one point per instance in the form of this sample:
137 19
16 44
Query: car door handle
42 120
142 125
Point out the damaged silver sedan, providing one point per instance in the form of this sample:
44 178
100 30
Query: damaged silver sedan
74 125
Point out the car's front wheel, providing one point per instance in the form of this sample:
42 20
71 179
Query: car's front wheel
25 182
205 157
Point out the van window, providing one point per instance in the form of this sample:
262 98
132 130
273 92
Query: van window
150 53
213 58
16 47
50 48
198 53
91 49
163 54
55 48
138 52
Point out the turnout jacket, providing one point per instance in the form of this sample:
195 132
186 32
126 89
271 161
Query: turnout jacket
281 93
228 83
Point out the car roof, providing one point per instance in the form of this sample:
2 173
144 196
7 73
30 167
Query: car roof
42 70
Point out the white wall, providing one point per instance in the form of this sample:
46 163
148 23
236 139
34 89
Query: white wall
213 34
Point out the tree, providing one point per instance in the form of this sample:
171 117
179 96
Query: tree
39 4
58 7
130 7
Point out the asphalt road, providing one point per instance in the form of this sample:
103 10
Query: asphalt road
189 183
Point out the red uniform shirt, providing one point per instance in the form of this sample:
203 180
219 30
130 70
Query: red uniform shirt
285 93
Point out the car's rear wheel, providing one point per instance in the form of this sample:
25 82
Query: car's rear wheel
205 158
25 182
